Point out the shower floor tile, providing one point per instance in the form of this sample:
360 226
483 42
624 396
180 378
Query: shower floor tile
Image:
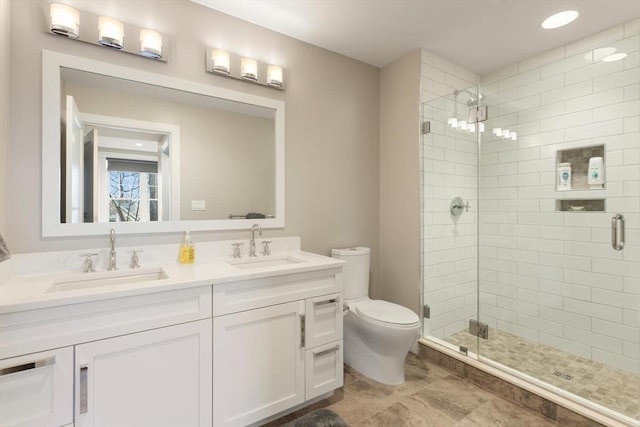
610 387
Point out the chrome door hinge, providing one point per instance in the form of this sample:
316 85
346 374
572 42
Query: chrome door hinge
478 329
426 127
477 114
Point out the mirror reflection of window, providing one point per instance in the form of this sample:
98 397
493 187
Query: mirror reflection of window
133 190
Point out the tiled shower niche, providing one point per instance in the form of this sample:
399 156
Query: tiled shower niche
579 159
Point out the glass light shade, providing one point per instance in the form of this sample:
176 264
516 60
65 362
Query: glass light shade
453 122
220 60
462 125
514 136
110 32
481 127
614 57
150 44
249 69
65 20
274 76
472 127
506 133
497 131
559 19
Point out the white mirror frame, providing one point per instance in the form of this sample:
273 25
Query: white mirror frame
52 64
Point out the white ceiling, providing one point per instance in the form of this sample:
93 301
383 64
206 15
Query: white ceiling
481 35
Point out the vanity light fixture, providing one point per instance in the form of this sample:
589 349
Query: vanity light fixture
559 19
150 44
274 76
110 32
104 31
220 59
249 69
227 64
500 133
65 20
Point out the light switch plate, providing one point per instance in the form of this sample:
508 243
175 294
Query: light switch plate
198 205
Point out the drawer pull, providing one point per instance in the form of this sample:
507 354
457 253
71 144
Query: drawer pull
302 331
329 301
28 366
329 350
84 398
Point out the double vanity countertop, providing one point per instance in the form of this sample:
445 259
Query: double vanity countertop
24 290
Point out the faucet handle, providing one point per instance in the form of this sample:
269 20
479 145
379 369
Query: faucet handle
135 259
266 250
236 250
88 266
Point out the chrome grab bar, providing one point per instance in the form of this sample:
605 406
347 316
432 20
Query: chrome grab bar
617 232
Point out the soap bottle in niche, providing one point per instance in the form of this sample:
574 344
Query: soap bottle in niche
596 172
564 176
187 250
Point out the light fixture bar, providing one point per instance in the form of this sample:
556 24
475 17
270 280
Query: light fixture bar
103 31
228 64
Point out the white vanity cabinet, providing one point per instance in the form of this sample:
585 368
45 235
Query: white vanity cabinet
155 378
142 360
280 345
36 389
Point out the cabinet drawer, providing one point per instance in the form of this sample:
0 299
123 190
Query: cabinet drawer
37 330
36 390
323 320
234 297
324 369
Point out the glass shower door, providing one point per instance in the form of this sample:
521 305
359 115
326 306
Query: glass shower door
449 211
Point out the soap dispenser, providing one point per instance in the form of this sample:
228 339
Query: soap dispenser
596 172
187 250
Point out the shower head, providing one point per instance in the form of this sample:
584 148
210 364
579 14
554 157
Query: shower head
473 98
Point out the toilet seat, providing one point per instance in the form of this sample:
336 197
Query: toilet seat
386 313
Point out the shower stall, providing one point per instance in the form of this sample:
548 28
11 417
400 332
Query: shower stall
531 218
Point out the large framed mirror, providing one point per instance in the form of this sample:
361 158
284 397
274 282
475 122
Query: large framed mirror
142 152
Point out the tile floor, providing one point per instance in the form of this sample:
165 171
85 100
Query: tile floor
430 396
610 387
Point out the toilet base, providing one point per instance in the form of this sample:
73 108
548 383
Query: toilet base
377 351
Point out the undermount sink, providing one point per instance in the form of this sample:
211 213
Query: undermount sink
107 278
265 262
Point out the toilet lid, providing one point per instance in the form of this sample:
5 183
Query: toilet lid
387 312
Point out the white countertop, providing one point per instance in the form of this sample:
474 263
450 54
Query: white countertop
24 290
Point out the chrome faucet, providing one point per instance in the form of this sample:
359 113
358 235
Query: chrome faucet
252 244
112 253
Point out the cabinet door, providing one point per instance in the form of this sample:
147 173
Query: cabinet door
36 390
324 369
258 363
155 378
324 320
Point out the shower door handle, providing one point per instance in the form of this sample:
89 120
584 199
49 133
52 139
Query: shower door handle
617 232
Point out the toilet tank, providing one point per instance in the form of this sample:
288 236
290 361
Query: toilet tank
355 277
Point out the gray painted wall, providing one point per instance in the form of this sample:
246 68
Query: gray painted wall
332 121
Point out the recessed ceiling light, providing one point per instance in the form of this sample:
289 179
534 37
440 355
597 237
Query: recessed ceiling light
614 57
559 19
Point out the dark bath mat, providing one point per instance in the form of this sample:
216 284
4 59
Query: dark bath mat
318 418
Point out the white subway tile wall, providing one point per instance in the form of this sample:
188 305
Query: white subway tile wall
547 276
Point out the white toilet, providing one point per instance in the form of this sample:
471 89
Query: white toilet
377 334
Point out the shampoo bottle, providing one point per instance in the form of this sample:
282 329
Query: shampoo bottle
187 250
